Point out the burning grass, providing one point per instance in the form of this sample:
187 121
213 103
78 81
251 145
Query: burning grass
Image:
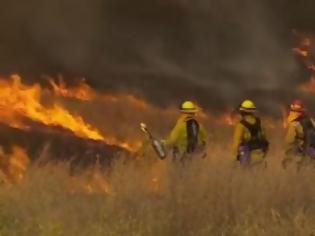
144 196
209 197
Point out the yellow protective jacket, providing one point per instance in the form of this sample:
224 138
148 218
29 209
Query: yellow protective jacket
294 138
243 135
178 137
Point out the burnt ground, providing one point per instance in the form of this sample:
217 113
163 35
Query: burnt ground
54 144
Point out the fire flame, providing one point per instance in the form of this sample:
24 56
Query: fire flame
21 100
18 101
81 90
303 51
140 105
14 164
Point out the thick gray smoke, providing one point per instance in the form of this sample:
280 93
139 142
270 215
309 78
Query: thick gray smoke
215 51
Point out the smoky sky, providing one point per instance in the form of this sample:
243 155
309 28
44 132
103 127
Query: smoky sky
216 52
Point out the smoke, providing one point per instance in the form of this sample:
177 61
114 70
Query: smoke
216 52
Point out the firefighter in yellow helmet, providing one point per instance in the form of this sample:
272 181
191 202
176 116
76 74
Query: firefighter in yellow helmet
300 135
249 145
188 136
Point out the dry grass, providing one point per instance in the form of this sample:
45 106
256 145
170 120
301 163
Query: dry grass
209 197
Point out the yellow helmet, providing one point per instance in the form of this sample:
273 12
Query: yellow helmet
248 106
188 107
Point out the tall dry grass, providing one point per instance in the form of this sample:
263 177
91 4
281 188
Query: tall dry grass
208 197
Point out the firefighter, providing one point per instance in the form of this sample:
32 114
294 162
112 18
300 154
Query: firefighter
249 145
188 137
300 135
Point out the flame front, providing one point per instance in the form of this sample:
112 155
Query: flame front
83 91
19 100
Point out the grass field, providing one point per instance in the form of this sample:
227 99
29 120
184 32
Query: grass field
209 197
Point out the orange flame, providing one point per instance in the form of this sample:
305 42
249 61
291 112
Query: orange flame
14 164
76 91
228 119
18 100
22 100
81 91
303 51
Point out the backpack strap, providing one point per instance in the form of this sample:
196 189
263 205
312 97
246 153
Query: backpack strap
254 129
257 140
306 123
308 131
192 127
